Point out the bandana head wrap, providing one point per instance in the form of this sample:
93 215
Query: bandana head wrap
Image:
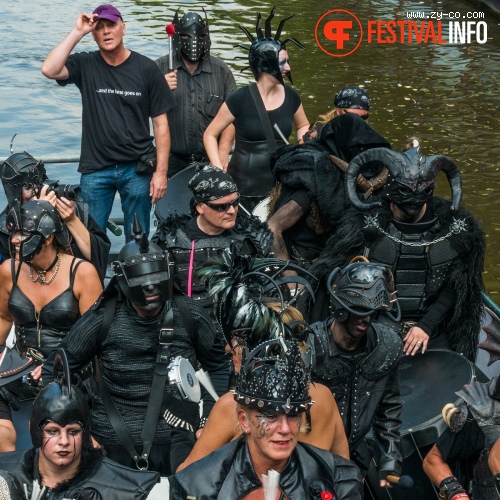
211 183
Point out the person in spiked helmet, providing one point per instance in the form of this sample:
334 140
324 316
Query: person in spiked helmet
272 394
263 114
252 309
24 178
200 83
43 292
434 247
472 435
158 336
63 462
355 355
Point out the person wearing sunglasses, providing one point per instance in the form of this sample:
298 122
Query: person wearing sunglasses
215 223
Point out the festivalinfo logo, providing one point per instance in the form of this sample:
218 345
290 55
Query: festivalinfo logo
339 32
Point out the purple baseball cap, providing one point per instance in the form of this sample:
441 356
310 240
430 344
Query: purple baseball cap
108 11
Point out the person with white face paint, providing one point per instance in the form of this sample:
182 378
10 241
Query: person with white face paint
63 462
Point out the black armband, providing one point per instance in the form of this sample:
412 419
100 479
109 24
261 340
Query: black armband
450 487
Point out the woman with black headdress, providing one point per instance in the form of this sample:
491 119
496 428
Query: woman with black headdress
256 110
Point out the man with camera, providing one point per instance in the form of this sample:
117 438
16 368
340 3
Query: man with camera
23 177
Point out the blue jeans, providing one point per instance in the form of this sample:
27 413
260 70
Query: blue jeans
99 189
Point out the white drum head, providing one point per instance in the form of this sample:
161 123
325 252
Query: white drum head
182 373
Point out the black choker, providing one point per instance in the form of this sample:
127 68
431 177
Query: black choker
41 274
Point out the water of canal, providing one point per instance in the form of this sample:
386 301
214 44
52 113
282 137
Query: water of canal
445 93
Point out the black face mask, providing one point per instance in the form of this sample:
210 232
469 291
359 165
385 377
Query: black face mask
411 197
192 37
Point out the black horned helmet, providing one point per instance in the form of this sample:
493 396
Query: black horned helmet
243 288
191 36
60 402
275 377
411 178
362 289
264 51
141 263
36 220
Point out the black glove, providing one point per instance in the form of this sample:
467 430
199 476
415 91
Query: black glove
450 487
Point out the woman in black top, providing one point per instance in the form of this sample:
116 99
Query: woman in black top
43 291
249 165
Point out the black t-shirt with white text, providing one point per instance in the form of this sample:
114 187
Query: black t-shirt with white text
117 102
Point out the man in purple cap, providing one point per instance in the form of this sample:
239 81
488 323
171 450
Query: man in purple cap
120 90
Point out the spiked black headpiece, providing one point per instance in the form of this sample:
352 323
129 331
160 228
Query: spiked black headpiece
264 51
242 286
275 377
191 35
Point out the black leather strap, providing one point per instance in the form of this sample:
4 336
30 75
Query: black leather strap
264 117
187 317
160 378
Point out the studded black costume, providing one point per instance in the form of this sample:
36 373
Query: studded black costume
178 233
366 389
437 264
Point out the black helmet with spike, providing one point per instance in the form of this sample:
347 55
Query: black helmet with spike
141 263
264 51
411 178
60 402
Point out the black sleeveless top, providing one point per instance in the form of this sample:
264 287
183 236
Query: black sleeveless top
44 330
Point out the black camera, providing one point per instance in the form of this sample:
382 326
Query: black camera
68 191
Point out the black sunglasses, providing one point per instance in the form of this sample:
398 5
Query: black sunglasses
223 207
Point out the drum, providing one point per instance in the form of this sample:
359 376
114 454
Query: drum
427 382
176 199
260 210
181 373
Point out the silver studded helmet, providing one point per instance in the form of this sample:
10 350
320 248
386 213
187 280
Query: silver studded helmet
142 263
191 37
36 220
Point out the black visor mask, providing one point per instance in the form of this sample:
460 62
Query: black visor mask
133 278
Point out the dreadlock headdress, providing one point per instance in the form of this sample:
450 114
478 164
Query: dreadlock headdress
264 50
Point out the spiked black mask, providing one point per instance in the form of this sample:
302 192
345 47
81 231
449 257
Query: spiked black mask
264 51
411 177
141 263
60 402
